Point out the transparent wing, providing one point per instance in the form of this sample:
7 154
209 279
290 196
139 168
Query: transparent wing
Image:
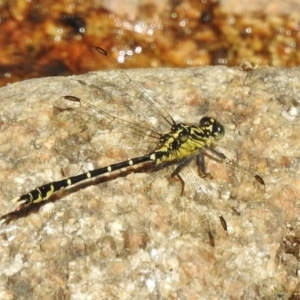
191 212
103 116
125 96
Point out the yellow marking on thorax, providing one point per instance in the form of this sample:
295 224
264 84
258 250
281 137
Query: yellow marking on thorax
189 145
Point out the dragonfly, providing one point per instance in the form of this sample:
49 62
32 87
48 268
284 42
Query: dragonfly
177 146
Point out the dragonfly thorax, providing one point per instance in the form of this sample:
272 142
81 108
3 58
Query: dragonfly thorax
185 140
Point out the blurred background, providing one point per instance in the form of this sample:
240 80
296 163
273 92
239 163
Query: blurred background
47 38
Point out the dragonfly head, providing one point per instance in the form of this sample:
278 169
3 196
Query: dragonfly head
217 129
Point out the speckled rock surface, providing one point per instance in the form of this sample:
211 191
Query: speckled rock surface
110 238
